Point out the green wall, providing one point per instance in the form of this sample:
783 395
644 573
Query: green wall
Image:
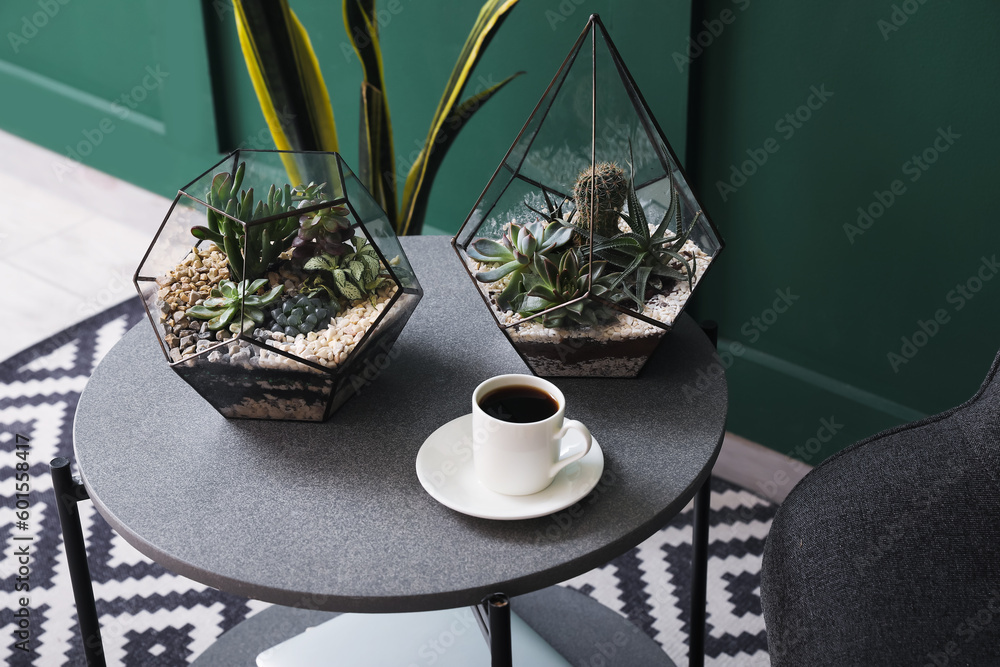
65 65
122 87
857 289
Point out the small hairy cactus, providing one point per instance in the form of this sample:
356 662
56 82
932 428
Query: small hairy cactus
302 314
611 189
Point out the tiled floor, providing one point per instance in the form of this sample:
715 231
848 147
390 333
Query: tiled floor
70 239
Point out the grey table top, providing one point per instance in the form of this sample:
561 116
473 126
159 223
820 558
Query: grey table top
331 516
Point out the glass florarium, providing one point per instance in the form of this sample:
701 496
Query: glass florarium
276 285
588 242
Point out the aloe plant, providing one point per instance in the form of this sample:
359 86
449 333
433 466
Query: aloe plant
565 281
236 305
516 253
296 104
646 258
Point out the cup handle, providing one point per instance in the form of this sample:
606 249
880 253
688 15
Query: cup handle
576 456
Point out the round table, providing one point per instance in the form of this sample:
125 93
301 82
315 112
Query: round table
332 517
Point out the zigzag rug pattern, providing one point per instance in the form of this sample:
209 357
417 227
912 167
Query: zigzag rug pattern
150 616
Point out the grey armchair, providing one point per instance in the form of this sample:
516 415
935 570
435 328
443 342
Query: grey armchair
888 553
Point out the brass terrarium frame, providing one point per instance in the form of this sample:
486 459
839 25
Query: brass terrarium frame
511 170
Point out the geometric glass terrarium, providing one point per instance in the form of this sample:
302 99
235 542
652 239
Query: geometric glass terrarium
587 242
276 285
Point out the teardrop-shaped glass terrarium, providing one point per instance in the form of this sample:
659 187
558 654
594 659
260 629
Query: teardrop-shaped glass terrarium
276 285
588 241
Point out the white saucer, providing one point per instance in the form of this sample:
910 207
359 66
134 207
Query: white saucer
445 469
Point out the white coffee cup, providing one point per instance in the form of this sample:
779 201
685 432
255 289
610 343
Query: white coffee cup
518 459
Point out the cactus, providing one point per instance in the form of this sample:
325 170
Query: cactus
250 249
610 186
228 301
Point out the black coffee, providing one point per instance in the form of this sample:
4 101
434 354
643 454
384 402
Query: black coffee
519 404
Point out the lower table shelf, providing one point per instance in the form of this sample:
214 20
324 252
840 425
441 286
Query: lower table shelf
580 629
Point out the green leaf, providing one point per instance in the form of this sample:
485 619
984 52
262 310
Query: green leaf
287 79
544 292
488 250
202 312
224 318
255 314
271 296
376 166
348 290
636 219
617 242
421 176
357 270
532 304
506 297
557 239
321 263
641 278
498 273
372 266
256 285
206 234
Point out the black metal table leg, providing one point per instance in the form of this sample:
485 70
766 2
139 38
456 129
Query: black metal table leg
493 617
68 493
699 574
699 550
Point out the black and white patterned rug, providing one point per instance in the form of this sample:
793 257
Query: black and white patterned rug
150 616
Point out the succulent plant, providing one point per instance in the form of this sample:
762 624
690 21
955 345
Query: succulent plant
251 249
646 258
321 231
516 253
607 181
237 305
560 281
302 314
356 274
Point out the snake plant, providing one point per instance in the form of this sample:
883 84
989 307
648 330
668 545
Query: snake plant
296 104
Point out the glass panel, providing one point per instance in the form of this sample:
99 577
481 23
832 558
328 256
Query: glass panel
325 300
580 282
